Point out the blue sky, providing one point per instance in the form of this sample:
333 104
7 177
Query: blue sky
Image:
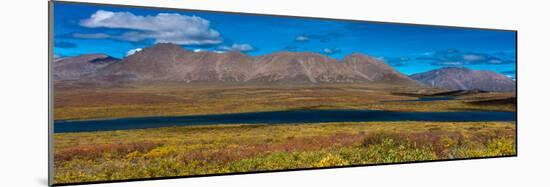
83 29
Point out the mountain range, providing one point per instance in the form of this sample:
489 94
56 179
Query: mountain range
459 78
170 62
69 68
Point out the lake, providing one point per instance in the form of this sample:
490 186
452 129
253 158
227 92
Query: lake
442 98
438 98
278 117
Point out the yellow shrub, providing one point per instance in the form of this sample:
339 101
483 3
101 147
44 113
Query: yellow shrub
331 160
448 142
159 152
502 146
133 155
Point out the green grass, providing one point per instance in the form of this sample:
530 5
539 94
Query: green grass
196 150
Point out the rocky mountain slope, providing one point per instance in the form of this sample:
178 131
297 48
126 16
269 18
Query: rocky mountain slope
455 78
169 62
74 68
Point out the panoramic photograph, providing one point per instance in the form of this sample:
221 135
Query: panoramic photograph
148 93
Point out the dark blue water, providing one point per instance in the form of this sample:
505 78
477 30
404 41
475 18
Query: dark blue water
439 98
294 116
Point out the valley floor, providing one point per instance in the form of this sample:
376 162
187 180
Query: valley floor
178 100
200 150
216 149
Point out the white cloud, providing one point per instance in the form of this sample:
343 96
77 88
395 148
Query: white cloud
331 50
471 57
494 61
427 53
92 36
237 47
302 38
455 57
163 27
451 63
132 51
